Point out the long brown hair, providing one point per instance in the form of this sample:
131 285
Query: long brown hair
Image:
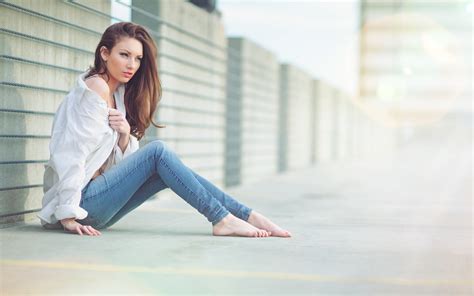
143 91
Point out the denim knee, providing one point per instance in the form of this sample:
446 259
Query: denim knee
158 147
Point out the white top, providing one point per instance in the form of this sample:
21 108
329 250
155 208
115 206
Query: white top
81 141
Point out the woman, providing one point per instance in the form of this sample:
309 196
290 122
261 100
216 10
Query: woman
96 174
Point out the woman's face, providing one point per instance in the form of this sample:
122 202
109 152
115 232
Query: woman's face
124 59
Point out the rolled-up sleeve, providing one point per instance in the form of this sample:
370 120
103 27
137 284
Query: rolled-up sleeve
131 148
70 148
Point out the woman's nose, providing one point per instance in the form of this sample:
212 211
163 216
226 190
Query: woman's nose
131 64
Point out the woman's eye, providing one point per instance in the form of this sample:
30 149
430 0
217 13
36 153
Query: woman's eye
124 54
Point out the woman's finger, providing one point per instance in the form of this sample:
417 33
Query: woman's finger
86 230
93 229
78 230
94 232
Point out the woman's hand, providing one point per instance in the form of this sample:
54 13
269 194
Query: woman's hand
118 122
72 225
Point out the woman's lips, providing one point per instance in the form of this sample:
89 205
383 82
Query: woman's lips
128 75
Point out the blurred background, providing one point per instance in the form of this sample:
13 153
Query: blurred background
253 89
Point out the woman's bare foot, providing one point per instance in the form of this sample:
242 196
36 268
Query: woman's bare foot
260 221
233 226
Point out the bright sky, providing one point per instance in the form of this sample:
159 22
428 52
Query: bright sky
320 37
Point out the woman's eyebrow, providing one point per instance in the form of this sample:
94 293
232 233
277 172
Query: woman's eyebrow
130 51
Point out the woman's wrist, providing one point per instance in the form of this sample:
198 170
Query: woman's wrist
123 141
67 220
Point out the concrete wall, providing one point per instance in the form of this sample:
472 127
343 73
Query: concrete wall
255 71
44 45
233 139
296 94
343 126
325 122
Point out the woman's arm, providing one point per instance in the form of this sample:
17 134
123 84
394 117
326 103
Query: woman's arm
83 125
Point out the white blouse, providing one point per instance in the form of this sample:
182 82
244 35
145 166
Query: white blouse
81 141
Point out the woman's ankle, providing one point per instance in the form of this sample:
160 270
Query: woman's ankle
224 220
251 219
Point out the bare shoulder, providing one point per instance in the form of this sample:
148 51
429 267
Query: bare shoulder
99 86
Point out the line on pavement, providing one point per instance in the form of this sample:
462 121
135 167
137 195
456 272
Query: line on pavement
234 273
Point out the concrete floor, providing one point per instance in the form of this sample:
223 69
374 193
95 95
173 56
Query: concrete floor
400 227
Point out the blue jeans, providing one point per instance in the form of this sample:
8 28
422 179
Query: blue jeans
150 169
